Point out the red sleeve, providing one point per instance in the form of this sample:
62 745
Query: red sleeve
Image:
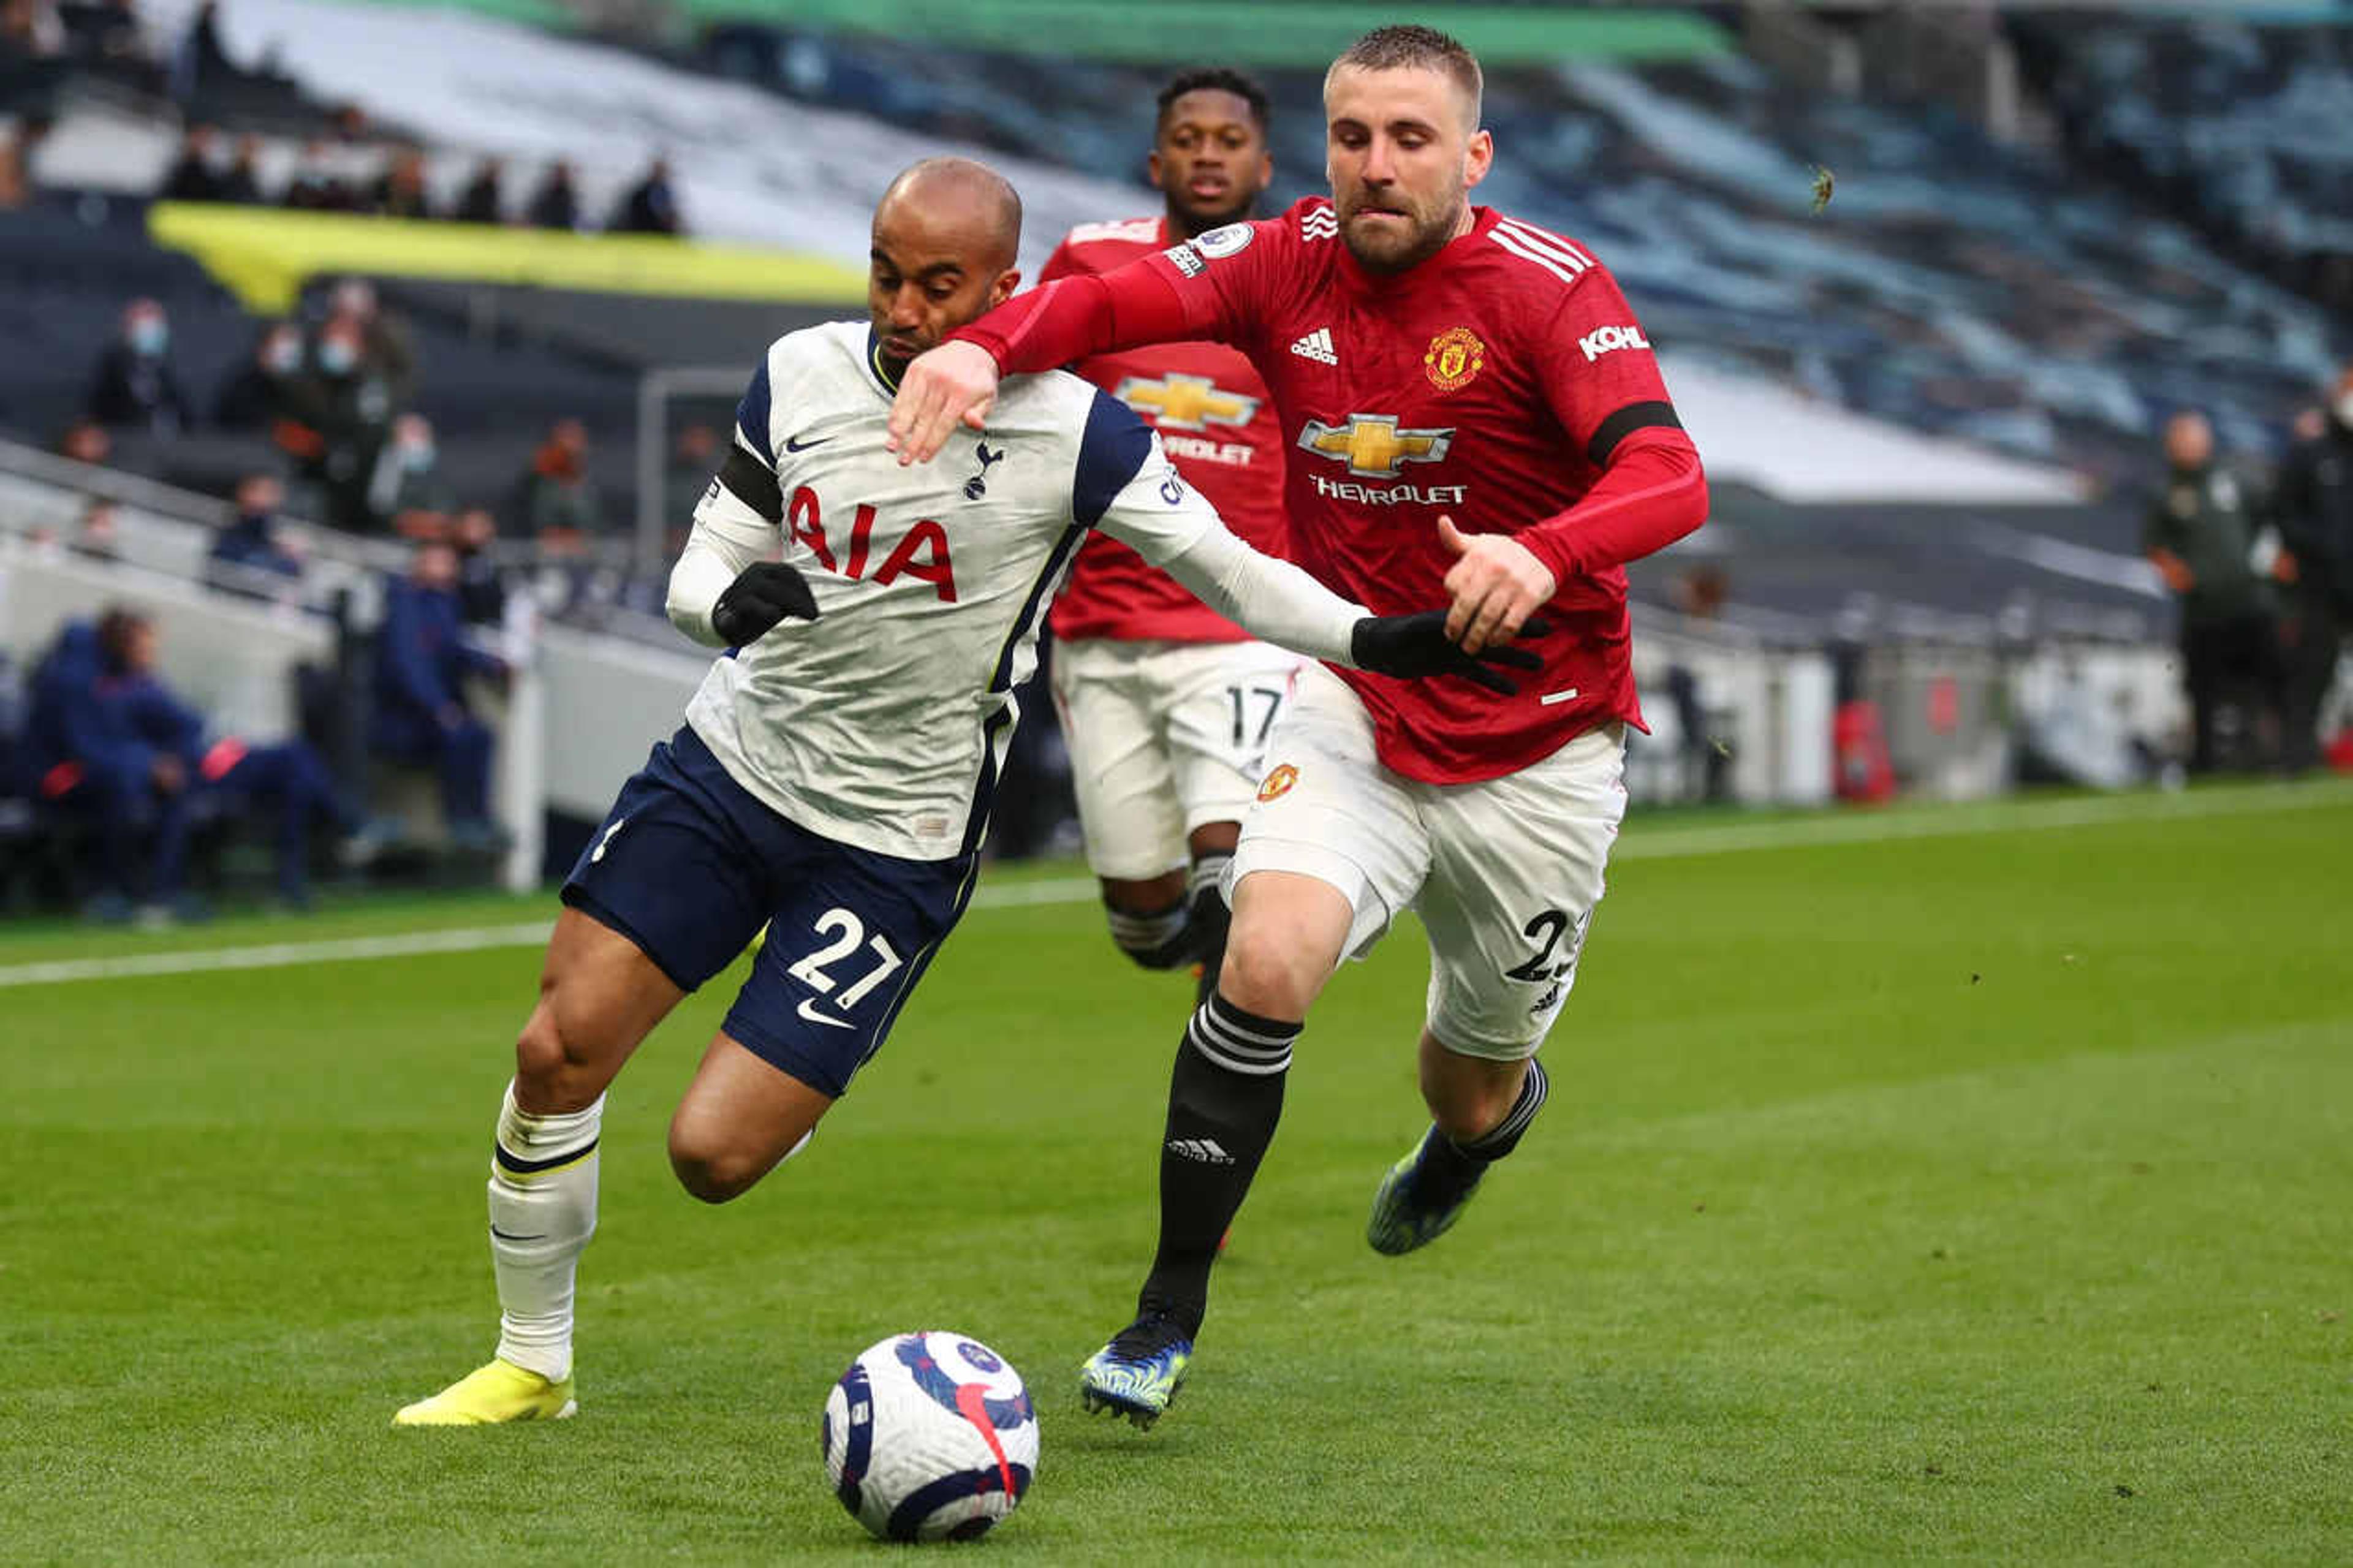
1602 382
1651 494
1185 292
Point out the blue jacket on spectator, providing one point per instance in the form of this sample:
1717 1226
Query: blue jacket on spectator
82 723
421 662
246 544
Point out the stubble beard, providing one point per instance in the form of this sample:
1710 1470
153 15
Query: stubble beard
1426 241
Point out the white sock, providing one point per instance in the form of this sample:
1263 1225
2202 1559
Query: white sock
543 1212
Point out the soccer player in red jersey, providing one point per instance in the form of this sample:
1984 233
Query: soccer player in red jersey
1464 394
1168 705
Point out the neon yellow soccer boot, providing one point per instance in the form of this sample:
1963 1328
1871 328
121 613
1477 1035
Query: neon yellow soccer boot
489 1394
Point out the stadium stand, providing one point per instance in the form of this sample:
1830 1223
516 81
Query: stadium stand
2239 123
1926 407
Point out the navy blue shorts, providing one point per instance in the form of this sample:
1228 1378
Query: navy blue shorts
689 864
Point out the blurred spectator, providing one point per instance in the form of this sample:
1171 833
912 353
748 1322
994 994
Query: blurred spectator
90 758
261 392
2201 537
403 494
241 180
420 717
85 441
480 201
31 30
694 458
108 32
650 206
556 204
317 185
17 149
556 497
250 550
339 415
193 178
200 62
2313 504
134 385
288 780
385 348
97 536
481 587
399 190
1704 756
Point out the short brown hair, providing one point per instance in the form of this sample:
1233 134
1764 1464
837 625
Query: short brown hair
1410 47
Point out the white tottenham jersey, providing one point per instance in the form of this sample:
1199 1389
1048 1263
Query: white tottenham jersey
883 723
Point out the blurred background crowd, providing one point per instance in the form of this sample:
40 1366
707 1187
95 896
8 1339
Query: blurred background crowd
2032 450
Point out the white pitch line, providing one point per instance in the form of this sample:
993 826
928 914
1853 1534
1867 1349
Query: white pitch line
277 954
1668 843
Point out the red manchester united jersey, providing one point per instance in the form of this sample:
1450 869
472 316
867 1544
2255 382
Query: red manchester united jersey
1219 428
1503 381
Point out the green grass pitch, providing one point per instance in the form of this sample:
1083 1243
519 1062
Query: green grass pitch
1981 1188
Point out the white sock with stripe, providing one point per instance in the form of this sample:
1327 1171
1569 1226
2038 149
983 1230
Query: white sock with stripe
543 1212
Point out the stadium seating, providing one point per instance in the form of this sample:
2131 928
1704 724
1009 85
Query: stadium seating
2240 123
1951 285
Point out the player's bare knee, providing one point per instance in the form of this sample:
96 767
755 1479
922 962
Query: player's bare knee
554 1073
1261 975
711 1173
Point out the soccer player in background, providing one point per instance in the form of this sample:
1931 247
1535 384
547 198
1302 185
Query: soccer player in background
1464 394
1165 704
833 778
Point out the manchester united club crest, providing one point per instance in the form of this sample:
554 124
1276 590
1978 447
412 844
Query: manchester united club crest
1279 782
1454 359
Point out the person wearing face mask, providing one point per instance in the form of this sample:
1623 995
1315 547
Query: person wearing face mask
404 494
259 393
134 385
2312 503
347 410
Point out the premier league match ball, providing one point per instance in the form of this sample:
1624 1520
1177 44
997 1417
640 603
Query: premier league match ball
930 1436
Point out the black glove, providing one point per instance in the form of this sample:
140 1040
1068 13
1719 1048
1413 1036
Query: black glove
766 594
1413 647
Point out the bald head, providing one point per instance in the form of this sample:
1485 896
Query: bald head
960 202
945 237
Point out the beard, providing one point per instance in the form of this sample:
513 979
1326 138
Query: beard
1391 247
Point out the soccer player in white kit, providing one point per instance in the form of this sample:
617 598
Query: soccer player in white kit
833 779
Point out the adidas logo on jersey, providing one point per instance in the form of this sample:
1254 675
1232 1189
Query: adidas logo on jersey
1317 346
1206 1150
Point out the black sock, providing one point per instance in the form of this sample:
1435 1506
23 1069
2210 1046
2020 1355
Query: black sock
1452 1168
1209 921
1224 1099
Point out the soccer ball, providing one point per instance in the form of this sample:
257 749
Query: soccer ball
930 1436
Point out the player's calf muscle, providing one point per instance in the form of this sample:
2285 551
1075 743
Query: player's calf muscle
1466 1096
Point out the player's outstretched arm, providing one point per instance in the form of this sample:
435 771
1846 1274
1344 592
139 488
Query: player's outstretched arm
1064 321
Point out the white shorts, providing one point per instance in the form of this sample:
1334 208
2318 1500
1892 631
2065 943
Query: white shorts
1164 737
1505 873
